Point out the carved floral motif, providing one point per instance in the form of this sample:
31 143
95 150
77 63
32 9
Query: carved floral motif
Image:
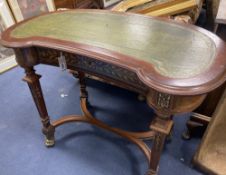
164 100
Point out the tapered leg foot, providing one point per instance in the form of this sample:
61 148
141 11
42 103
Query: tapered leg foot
49 136
151 172
49 143
186 135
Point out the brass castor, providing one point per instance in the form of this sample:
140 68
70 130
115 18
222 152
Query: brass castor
151 172
49 135
49 143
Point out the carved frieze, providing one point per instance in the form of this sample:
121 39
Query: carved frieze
90 65
164 100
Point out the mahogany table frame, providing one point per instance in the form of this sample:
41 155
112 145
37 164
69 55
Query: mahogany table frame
165 100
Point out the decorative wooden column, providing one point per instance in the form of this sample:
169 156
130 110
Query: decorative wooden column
162 129
32 80
27 58
161 125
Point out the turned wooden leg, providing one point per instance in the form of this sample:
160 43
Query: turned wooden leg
162 128
33 82
83 92
196 125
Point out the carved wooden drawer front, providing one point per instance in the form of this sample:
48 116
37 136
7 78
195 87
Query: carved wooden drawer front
78 62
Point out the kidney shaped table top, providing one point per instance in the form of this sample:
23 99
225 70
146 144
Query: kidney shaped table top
178 63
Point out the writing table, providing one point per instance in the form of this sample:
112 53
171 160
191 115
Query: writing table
175 65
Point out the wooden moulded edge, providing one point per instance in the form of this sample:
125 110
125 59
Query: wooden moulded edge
200 84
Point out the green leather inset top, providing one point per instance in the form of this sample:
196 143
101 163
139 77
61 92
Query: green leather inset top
175 51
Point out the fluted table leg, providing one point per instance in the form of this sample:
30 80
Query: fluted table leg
32 80
162 128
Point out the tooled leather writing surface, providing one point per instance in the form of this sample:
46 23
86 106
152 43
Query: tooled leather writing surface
175 51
